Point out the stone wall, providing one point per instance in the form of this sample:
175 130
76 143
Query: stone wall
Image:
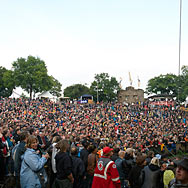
131 95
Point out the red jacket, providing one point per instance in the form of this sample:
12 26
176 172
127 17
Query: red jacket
106 174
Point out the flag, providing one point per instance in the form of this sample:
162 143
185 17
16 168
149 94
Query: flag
120 82
130 79
162 146
138 82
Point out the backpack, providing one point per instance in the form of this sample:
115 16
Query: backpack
167 177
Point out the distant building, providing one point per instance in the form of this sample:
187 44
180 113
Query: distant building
131 95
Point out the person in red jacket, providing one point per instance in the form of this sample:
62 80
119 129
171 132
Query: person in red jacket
106 173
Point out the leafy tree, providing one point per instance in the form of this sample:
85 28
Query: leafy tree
183 83
75 91
31 75
7 83
170 84
166 84
56 87
104 88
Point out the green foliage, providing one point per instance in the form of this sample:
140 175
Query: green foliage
183 83
166 84
56 87
106 87
31 75
76 91
7 83
170 84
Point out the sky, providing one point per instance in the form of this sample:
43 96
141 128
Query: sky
78 39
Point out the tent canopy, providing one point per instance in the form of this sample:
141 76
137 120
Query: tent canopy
86 97
46 94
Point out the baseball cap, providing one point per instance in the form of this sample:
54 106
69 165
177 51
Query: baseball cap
107 150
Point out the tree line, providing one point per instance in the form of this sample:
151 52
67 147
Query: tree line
31 75
170 84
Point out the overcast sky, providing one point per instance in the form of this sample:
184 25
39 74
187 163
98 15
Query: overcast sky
80 38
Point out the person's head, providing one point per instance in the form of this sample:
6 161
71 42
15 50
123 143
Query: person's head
155 161
164 157
24 136
107 152
62 145
5 133
18 129
130 152
74 151
41 134
141 160
151 154
92 149
56 139
163 166
116 150
32 142
182 171
36 132
121 154
85 144
31 131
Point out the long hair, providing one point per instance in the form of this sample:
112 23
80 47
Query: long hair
62 145
30 141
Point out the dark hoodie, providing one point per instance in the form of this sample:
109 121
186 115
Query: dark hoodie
129 161
63 165
150 177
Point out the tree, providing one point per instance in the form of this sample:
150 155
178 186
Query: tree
31 74
166 84
7 83
183 83
104 88
170 84
76 91
56 87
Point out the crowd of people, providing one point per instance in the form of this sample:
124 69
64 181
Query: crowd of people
48 144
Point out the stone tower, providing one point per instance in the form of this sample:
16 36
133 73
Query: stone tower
131 95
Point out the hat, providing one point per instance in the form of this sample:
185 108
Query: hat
107 150
158 156
155 161
183 163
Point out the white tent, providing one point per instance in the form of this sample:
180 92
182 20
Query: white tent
186 101
47 94
18 92
15 95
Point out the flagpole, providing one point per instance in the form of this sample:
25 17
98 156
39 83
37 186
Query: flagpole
180 38
179 67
